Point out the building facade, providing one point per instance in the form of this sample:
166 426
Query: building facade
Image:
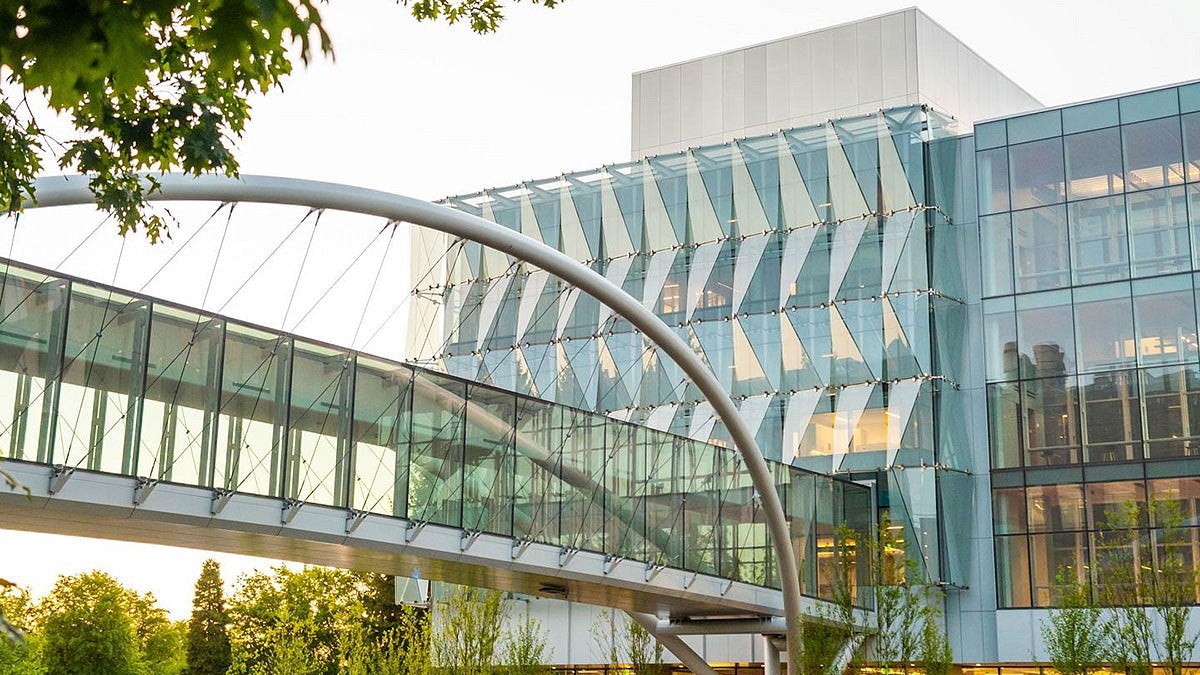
993 323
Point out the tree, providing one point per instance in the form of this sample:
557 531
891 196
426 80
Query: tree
624 641
207 638
1074 632
86 628
468 626
18 656
526 652
156 85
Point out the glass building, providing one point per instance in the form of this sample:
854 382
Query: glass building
986 314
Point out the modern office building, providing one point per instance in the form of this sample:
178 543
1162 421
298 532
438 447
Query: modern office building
909 274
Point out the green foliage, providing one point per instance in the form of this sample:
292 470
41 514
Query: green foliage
1074 632
624 641
526 651
468 626
821 637
155 85
936 656
208 651
87 629
21 654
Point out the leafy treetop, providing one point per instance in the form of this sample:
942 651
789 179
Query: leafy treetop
156 85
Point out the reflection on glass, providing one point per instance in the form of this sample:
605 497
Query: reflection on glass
1000 339
1099 240
1094 164
435 472
1037 173
253 413
1112 421
1109 504
379 437
1050 414
1041 256
1104 326
996 250
991 169
1004 433
1172 401
1058 562
32 310
1012 571
1165 315
319 403
1191 146
1045 334
1158 232
1008 510
101 381
1153 153
179 414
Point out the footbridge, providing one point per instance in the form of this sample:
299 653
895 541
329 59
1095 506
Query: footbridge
130 417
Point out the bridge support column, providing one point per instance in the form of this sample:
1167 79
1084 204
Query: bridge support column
674 644
770 655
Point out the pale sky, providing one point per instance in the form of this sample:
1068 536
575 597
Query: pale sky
430 110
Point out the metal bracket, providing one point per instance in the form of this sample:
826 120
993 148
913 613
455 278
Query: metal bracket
468 538
220 500
354 519
142 492
519 547
611 562
726 586
565 554
290 508
652 571
412 530
687 583
59 477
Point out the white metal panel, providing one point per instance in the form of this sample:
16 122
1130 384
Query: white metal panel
823 76
799 76
733 78
870 61
894 47
691 100
649 109
754 73
669 98
776 82
712 96
845 66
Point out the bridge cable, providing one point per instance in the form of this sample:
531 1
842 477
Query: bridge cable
374 283
336 281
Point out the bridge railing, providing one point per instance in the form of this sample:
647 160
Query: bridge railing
93 377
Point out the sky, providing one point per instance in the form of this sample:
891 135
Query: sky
430 110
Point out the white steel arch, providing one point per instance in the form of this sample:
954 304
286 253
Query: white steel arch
73 190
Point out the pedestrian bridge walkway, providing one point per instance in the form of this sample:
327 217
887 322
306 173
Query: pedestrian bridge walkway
131 418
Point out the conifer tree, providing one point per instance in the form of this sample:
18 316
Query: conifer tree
208 650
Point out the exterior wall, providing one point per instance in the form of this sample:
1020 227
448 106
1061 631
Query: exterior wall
898 59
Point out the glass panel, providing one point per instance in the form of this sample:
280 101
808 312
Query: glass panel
1099 240
435 472
1000 339
583 461
1004 416
1191 146
1112 420
1165 315
670 463
1172 399
702 509
1041 255
96 426
1108 502
1090 116
250 431
1034 127
179 412
537 488
1050 411
488 469
1184 492
1094 164
1037 173
1008 510
32 311
1148 105
995 235
1158 232
319 411
379 435
990 135
1045 334
1055 508
1058 562
991 167
624 475
1012 571
1104 326
1153 153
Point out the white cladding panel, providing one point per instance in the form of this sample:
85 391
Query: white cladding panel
897 59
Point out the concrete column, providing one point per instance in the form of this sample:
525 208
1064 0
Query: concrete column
770 655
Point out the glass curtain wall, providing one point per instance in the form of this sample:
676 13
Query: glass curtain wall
1089 233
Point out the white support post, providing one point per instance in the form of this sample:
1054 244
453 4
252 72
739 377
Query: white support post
674 644
770 655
